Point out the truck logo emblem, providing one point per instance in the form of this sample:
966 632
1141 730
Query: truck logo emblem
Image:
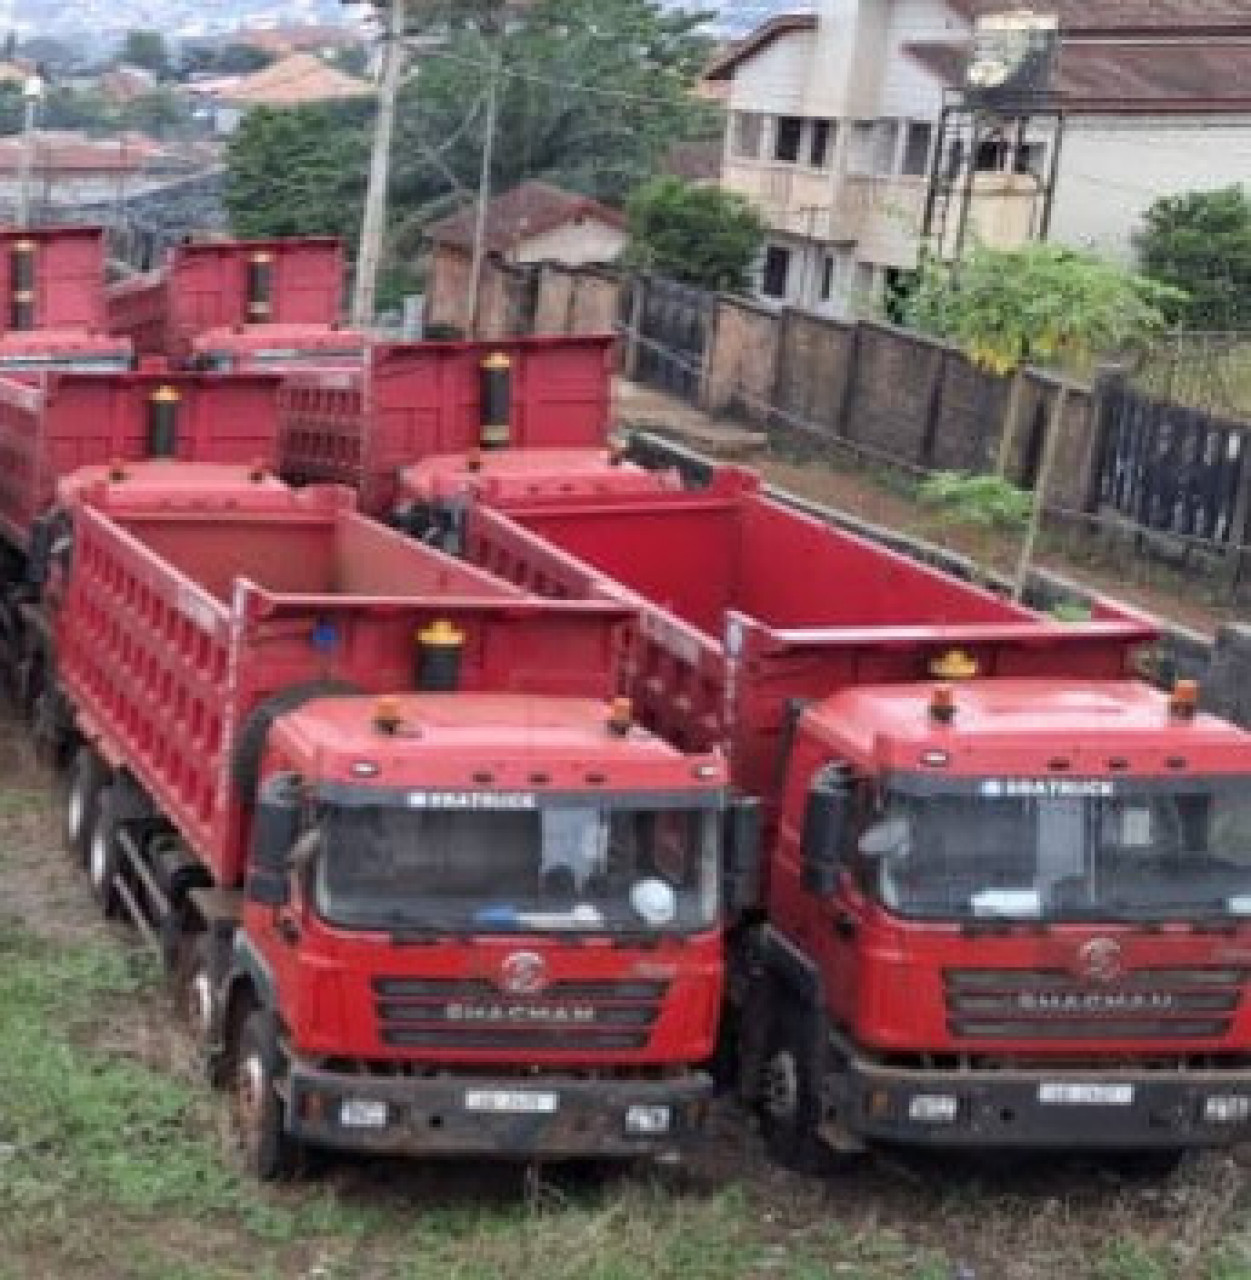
524 973
1101 960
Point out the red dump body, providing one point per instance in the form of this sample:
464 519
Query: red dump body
76 420
415 400
748 605
207 287
175 623
53 310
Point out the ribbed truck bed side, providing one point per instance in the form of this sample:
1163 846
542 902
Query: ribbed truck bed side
68 276
137 308
84 420
174 625
747 605
414 400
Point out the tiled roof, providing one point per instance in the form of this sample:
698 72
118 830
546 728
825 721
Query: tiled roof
302 77
67 152
525 211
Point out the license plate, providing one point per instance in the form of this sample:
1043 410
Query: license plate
1086 1095
510 1101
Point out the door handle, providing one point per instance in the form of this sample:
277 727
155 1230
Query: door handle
288 930
844 925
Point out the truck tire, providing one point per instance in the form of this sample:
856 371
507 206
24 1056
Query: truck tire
104 857
245 760
88 777
195 994
788 1095
269 1152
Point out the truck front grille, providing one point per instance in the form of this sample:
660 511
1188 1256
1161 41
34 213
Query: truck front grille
1052 1004
456 1013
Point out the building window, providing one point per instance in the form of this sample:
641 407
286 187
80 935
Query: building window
827 277
916 158
748 130
789 135
777 267
819 143
873 147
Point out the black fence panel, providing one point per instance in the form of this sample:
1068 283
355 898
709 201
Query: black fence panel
675 325
1171 469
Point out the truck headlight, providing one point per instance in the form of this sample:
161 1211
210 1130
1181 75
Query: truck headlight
1227 1109
644 1120
362 1113
933 1108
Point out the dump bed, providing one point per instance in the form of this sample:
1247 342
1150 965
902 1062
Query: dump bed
81 420
175 624
58 272
747 605
414 400
227 284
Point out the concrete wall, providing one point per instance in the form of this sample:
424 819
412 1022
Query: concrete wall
741 373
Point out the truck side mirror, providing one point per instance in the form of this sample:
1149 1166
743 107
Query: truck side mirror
826 815
275 825
741 863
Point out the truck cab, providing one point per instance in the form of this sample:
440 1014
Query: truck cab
491 923
1008 912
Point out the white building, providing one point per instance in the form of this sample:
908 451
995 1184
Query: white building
833 122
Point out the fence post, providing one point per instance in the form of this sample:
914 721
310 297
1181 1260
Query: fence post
847 405
933 408
634 326
1108 389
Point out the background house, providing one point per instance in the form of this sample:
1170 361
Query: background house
534 222
833 123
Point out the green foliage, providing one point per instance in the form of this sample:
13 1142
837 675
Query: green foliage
701 235
1039 304
146 49
299 171
1201 243
990 502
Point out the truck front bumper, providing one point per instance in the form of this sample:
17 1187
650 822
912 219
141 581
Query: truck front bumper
510 1118
1092 1110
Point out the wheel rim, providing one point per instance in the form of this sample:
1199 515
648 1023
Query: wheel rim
250 1090
200 1004
98 861
781 1087
76 810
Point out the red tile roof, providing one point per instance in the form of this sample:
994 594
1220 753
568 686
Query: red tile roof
525 211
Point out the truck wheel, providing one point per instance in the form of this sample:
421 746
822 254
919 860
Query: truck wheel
195 988
103 858
269 1152
788 1097
87 778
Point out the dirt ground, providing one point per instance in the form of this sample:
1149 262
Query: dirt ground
832 478
732 1215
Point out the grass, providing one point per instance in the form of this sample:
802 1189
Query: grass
109 1167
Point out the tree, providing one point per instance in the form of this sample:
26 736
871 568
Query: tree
1040 304
146 49
1201 243
703 236
299 171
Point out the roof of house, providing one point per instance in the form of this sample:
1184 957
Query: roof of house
65 151
125 84
723 67
1208 73
525 211
298 78
1122 16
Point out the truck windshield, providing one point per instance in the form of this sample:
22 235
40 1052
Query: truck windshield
1149 854
567 868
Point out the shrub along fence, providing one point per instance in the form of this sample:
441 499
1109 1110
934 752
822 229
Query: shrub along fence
1131 468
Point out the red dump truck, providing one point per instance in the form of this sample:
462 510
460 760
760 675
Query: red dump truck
1005 898
428 889
424 424
241 304
52 281
73 422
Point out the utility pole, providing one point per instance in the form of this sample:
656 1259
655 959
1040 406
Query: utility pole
484 193
32 91
374 225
